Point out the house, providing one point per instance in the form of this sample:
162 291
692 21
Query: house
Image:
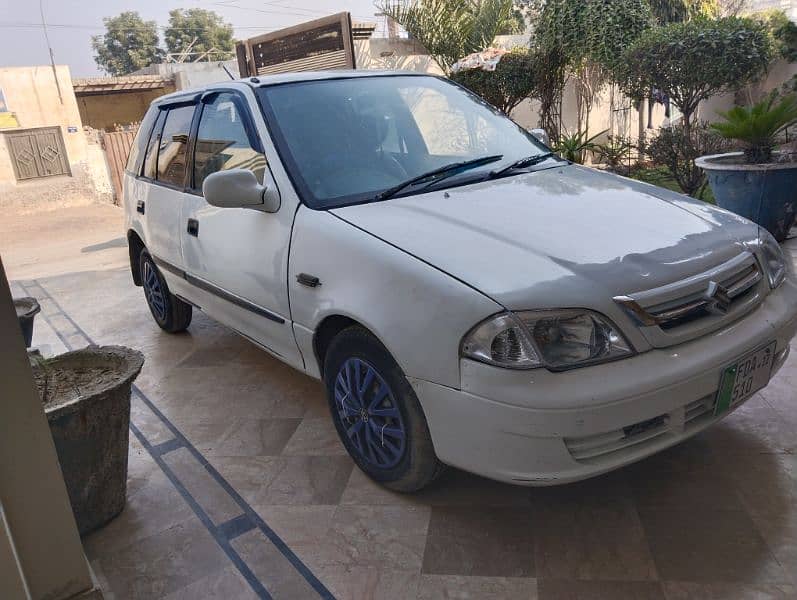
45 156
106 103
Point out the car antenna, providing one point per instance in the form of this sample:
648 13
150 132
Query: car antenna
226 70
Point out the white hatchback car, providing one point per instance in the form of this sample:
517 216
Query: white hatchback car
467 297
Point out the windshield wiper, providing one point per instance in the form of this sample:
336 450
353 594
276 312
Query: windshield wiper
439 174
521 164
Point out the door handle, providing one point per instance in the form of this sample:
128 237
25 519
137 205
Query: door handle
140 206
193 227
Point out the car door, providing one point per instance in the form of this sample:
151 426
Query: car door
238 257
165 171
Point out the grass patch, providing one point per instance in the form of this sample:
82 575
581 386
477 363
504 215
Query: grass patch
661 177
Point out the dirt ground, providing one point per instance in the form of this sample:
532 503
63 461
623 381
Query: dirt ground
63 240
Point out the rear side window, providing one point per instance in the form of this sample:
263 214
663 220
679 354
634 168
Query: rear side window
173 146
222 142
139 147
151 160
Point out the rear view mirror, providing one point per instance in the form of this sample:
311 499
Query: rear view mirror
541 135
239 188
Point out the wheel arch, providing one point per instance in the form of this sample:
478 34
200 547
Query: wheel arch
135 246
328 328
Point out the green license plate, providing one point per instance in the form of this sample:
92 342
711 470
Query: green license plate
744 378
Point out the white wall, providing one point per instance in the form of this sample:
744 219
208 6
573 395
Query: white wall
191 75
394 54
779 73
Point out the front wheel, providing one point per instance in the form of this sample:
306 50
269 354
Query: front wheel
377 414
170 313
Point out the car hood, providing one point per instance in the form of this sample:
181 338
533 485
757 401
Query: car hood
554 237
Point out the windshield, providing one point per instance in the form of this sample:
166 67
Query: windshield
345 141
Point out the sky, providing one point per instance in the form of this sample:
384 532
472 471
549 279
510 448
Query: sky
71 23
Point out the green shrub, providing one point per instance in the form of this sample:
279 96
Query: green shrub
694 60
676 149
513 80
783 33
574 147
451 29
616 153
757 127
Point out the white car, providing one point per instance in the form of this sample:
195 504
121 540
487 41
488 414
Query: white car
467 297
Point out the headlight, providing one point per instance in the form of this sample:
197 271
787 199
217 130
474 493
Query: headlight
774 261
556 339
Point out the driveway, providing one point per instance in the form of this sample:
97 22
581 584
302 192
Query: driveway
239 488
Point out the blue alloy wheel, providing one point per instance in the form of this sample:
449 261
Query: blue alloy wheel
370 414
154 292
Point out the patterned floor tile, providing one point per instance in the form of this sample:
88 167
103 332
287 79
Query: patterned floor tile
558 589
456 587
208 492
272 568
315 436
493 542
679 590
155 507
225 585
162 563
706 545
369 583
370 536
254 437
300 480
590 530
298 524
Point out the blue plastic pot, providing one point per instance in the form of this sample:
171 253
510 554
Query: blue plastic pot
764 193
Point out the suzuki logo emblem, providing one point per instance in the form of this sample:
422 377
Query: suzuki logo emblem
717 299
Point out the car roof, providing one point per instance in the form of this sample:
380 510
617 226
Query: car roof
277 79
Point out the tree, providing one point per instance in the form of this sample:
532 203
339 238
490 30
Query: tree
129 43
679 11
512 81
694 60
583 39
201 32
783 33
451 29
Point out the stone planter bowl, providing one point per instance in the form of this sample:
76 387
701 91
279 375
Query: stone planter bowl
27 308
764 193
86 395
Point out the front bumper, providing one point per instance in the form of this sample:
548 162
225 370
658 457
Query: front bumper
542 428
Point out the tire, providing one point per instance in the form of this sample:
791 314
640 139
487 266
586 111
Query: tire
170 313
382 426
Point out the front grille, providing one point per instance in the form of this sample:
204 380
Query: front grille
695 306
685 309
604 447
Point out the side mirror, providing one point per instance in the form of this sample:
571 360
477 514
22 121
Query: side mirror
239 188
541 135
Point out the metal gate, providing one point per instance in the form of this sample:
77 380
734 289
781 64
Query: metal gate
38 153
117 146
321 44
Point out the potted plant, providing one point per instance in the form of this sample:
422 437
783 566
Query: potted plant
758 183
86 397
576 146
27 308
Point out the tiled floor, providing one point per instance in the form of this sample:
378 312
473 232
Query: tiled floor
239 488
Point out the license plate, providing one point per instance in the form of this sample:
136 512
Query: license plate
743 379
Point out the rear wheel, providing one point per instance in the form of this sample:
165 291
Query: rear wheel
170 313
377 414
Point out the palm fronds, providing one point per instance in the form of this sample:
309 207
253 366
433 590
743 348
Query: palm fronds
758 126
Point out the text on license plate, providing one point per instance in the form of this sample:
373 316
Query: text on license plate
743 379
